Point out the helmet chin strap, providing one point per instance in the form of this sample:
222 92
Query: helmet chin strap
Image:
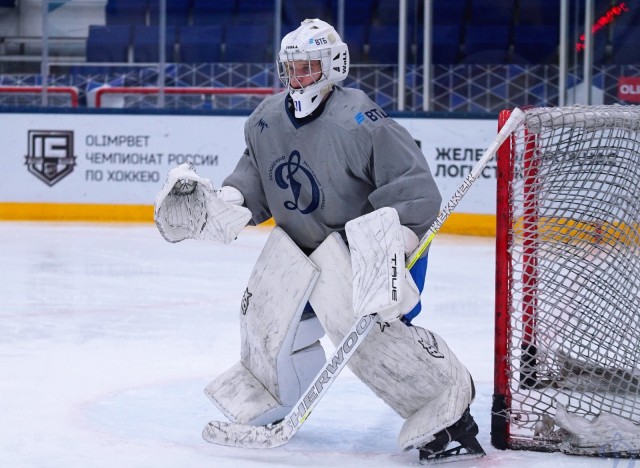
305 101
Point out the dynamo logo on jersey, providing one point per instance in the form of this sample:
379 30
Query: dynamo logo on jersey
305 188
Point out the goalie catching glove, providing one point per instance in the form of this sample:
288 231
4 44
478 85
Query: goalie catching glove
381 284
188 207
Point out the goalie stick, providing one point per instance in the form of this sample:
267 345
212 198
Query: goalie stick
280 432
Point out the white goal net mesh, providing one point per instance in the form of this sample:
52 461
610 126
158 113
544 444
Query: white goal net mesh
572 267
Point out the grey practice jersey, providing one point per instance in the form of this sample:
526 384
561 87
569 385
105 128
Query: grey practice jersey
314 176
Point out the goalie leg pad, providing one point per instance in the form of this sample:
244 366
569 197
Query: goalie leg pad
439 413
410 368
280 353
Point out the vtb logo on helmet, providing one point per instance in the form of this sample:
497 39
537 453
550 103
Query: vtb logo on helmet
311 59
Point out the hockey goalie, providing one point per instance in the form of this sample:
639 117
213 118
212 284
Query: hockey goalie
350 193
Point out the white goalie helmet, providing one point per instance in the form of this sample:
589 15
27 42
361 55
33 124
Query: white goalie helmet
311 59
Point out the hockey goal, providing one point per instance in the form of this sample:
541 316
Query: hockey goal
567 344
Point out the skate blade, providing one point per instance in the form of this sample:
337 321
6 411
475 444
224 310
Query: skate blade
451 458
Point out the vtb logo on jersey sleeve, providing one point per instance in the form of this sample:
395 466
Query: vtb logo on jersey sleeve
373 115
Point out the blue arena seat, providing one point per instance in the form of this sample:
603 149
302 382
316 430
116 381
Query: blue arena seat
177 12
448 12
625 39
126 12
146 40
248 43
627 54
355 36
383 44
625 45
386 12
539 12
356 11
252 12
600 50
200 44
535 44
480 39
487 57
490 12
208 12
445 43
108 43
294 12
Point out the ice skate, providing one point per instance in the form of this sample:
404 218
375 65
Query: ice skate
463 434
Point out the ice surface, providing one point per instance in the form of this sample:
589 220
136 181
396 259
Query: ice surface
109 334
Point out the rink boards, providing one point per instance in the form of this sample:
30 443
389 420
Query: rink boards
108 167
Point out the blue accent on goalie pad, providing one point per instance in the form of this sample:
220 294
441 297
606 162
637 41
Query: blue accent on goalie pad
418 273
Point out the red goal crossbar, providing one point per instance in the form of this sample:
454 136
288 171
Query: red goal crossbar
180 90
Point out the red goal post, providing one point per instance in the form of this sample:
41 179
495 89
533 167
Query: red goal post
567 303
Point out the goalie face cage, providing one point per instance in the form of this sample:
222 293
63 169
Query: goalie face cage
567 279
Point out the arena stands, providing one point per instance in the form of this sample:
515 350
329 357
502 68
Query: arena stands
485 53
465 31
